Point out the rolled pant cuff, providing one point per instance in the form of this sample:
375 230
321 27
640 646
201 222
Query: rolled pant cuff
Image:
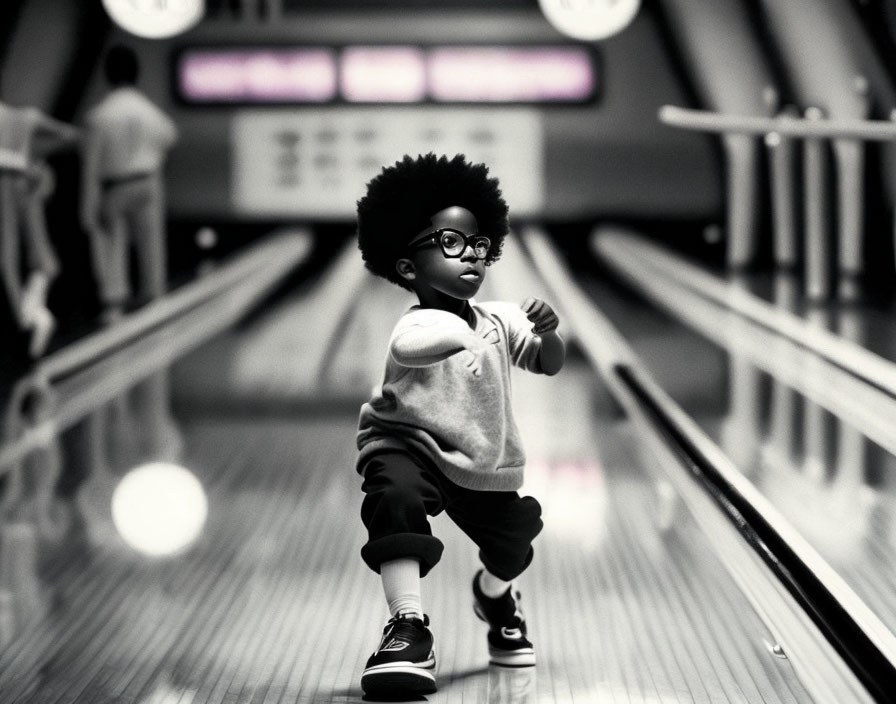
427 549
504 571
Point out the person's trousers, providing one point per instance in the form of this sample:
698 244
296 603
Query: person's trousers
133 215
23 230
402 491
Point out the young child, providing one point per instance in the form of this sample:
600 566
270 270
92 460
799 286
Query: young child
439 434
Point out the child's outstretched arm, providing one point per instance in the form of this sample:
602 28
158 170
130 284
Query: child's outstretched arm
544 324
429 337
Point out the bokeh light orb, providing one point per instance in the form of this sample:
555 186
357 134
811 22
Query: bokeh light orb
590 20
159 509
206 238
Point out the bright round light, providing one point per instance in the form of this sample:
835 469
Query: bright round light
155 19
589 20
159 509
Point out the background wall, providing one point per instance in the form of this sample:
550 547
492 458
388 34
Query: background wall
609 159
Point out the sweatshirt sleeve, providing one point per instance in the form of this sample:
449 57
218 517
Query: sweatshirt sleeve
523 344
425 337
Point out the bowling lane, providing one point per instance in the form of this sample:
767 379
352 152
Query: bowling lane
816 441
270 601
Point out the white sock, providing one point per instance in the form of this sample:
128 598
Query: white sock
401 585
491 586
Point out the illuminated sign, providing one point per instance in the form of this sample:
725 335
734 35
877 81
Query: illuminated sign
243 76
502 74
387 74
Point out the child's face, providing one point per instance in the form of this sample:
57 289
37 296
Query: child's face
456 276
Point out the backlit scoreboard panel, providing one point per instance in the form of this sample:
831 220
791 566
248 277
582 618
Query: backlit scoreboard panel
287 120
386 75
311 125
315 162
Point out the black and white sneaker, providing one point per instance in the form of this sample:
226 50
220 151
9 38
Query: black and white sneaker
507 641
404 661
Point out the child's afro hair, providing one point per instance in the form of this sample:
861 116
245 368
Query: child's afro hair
401 200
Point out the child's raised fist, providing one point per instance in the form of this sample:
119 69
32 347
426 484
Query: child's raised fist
542 316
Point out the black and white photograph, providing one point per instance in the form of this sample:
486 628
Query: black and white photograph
448 351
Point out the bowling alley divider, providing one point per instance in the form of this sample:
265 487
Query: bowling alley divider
642 260
837 646
284 247
100 366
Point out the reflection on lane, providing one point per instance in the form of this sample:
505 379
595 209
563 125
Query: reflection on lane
511 685
28 483
23 599
72 427
824 474
816 441
57 496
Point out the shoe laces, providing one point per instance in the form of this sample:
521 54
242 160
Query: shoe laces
405 627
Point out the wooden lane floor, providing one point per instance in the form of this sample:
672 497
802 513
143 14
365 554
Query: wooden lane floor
815 439
272 604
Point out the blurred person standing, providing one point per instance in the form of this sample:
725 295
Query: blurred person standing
122 207
29 264
126 141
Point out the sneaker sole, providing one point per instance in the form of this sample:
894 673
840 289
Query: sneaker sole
399 678
524 657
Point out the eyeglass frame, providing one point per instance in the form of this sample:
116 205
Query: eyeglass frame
435 237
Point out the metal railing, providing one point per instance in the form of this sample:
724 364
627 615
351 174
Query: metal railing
815 130
647 262
253 260
784 125
99 367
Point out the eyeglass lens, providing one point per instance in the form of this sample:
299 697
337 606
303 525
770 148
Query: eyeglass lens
454 243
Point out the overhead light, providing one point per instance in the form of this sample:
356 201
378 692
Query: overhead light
155 19
590 20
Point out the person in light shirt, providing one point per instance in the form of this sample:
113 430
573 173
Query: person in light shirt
125 144
126 141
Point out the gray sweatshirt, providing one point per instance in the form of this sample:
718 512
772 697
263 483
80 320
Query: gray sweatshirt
446 394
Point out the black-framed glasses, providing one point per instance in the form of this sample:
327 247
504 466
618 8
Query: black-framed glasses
454 243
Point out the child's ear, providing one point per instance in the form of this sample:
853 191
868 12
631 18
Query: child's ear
406 269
